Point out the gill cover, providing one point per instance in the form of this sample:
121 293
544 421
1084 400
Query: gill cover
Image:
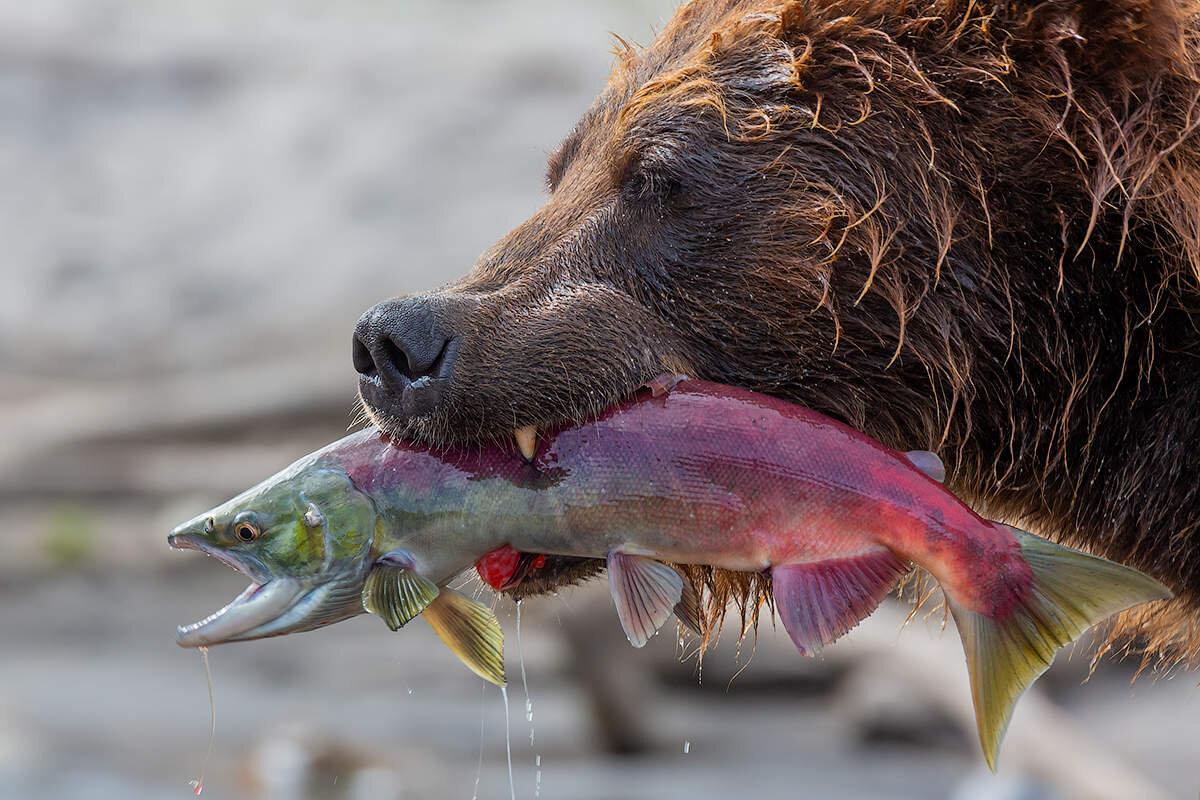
332 524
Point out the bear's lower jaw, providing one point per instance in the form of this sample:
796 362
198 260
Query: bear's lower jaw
424 427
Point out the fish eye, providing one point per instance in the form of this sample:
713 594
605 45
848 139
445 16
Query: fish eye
247 531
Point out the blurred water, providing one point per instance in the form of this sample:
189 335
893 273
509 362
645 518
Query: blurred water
199 200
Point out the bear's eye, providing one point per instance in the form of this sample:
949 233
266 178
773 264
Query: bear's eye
247 531
651 185
650 177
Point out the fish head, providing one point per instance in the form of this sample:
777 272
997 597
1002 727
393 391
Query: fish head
303 538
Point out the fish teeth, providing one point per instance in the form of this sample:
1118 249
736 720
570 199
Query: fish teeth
526 440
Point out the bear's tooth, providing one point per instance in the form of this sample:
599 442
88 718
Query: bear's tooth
526 440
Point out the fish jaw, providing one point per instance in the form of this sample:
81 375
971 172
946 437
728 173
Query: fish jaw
269 606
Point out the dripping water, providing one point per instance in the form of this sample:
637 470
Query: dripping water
512 789
198 784
537 785
479 763
524 682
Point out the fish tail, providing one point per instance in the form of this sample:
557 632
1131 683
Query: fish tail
1069 593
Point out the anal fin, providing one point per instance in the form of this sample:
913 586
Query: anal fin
819 601
645 592
472 633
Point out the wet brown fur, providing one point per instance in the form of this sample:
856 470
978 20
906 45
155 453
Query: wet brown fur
971 227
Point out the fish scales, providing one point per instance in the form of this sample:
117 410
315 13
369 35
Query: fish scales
686 472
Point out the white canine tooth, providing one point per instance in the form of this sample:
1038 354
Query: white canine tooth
526 440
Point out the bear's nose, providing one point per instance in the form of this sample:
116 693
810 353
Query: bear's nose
404 356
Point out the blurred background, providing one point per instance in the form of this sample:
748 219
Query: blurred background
197 202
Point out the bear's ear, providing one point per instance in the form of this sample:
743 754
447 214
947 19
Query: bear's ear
1130 39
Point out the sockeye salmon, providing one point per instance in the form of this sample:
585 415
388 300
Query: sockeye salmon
686 472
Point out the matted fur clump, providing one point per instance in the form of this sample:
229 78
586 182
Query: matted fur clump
972 227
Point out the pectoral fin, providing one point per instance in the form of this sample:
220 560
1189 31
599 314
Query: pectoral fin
395 591
645 592
472 633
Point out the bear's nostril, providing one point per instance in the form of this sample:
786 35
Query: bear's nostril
364 364
398 358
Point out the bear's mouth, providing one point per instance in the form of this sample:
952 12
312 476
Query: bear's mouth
459 421
452 425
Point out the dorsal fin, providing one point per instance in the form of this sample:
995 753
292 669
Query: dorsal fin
929 463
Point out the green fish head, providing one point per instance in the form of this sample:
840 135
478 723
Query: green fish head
303 538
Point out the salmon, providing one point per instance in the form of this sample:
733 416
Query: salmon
684 472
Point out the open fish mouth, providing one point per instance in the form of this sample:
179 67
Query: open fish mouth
267 607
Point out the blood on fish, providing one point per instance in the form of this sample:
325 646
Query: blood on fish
496 567
505 567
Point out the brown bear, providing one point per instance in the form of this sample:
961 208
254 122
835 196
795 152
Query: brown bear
959 225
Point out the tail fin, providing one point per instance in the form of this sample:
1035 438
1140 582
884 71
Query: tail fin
1071 592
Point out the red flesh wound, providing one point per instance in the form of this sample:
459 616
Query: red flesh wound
497 566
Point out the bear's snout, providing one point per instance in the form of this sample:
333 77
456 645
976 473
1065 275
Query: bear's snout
404 350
